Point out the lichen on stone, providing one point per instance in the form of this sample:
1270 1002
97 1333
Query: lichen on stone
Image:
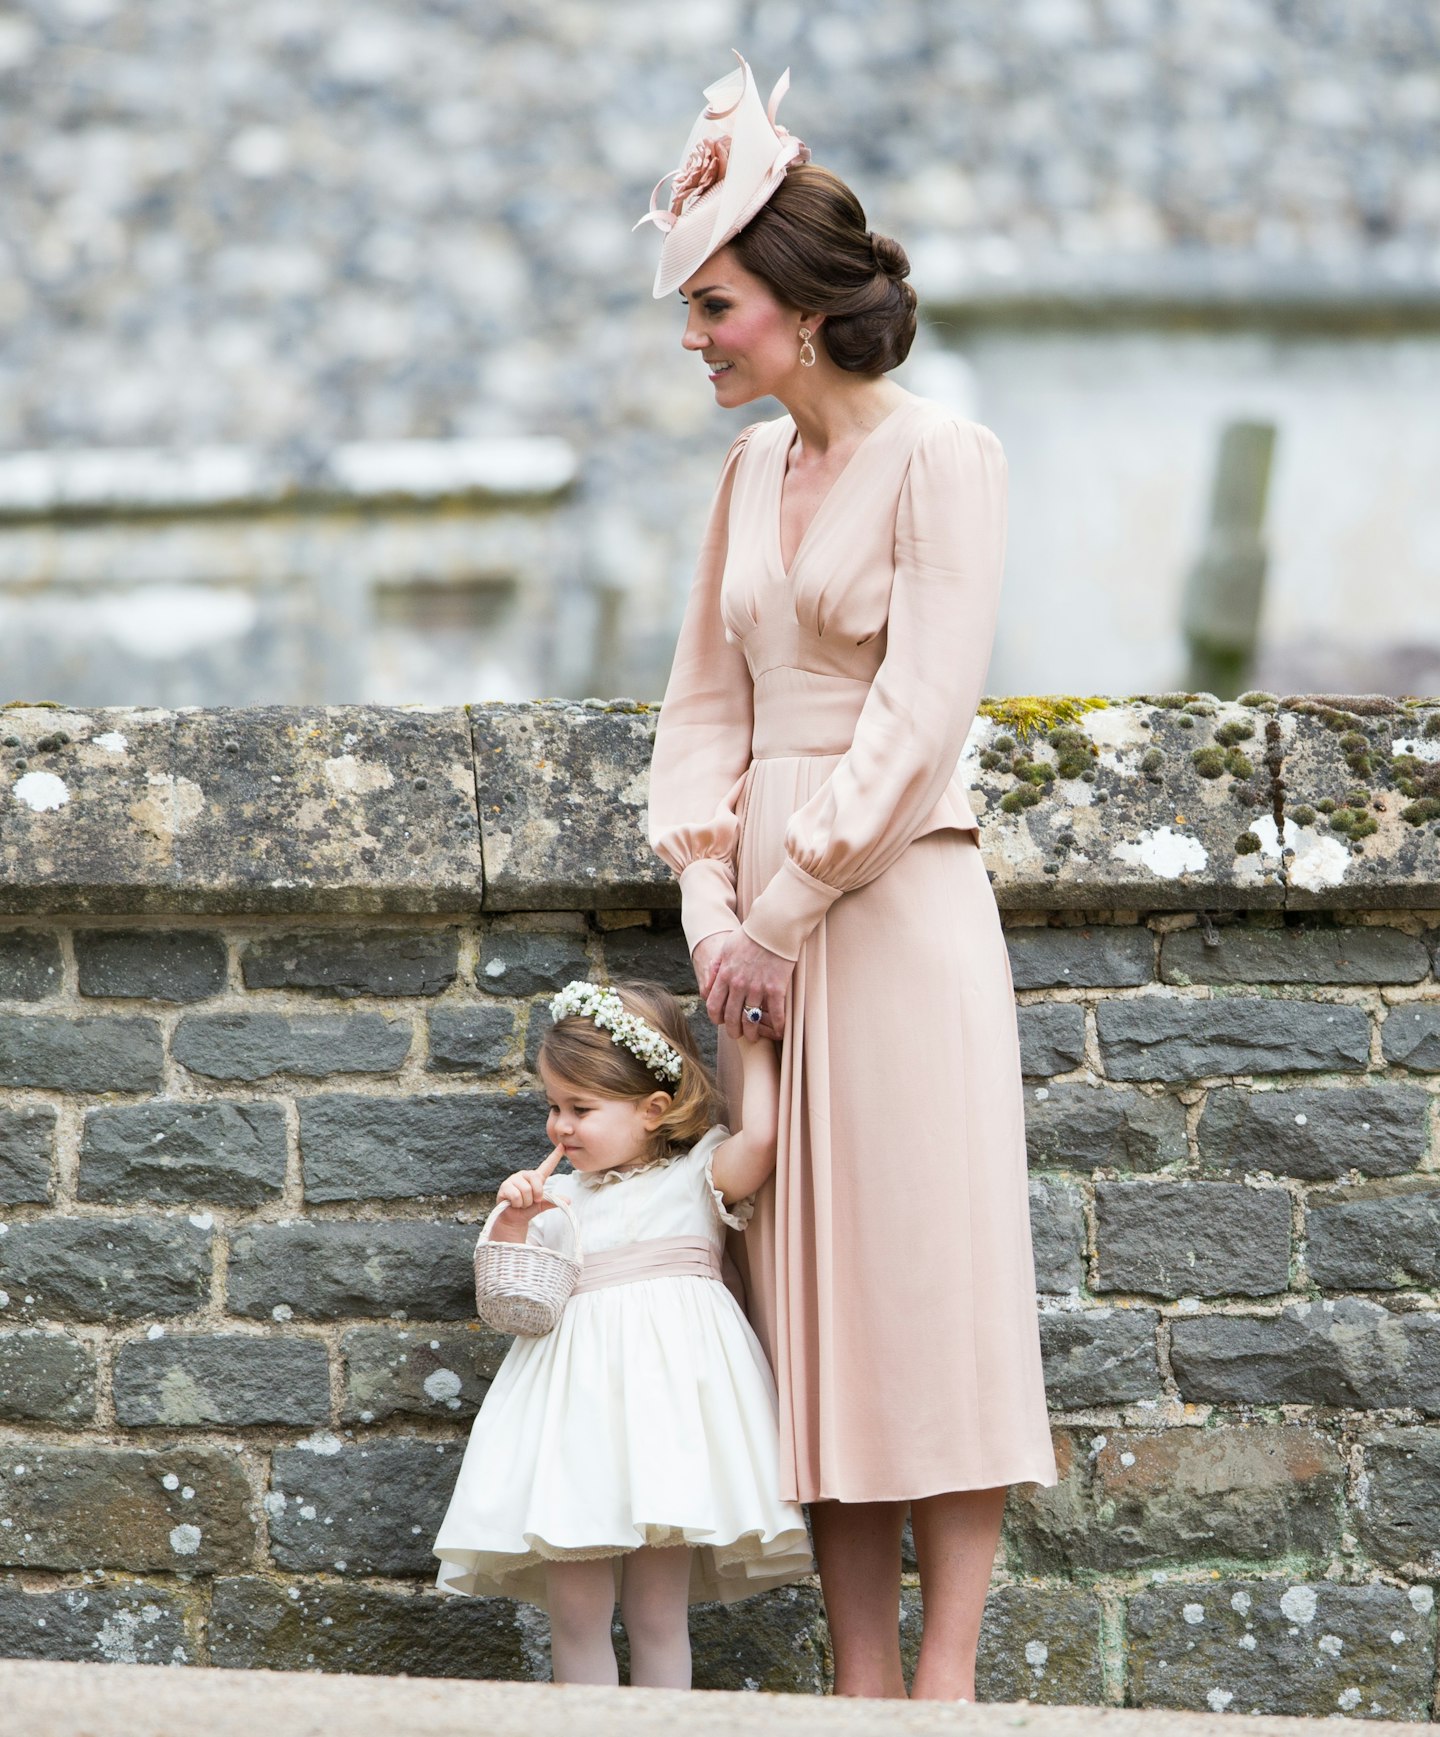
1029 714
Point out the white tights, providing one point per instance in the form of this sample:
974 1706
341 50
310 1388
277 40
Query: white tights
654 1606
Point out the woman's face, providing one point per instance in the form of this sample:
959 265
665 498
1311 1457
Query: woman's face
749 340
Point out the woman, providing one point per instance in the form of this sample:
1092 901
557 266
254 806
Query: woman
803 788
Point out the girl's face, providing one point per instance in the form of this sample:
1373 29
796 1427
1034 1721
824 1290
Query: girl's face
749 340
597 1132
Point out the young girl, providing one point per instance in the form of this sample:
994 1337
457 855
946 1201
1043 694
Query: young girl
633 1450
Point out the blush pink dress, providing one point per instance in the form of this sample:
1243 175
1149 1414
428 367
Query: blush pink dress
804 787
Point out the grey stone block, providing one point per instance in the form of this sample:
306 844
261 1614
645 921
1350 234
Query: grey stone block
1167 1497
1037 1643
102 1269
1349 1353
1281 1646
255 1046
347 963
180 1510
775 1643
125 1623
371 1507
363 1148
311 1625
95 1054
1163 1038
1411 1038
1316 1132
27 1140
1101 956
1057 1232
46 1378
391 1370
150 964
1192 1239
474 1039
230 1152
1381 1237
1097 1357
30 965
1091 1127
329 1270
1396 1518
1052 1037
237 1379
529 962
648 954
1292 955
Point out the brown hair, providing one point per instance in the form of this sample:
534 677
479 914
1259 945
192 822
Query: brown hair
583 1054
809 243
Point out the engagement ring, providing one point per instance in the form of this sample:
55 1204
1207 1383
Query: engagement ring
754 1015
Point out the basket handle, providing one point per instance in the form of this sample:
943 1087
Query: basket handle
555 1200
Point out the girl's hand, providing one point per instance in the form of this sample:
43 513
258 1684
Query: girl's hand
523 1197
745 974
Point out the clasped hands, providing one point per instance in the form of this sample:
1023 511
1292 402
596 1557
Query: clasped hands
733 973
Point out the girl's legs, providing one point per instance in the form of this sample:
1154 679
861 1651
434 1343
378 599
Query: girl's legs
655 1608
581 1596
857 1548
955 1539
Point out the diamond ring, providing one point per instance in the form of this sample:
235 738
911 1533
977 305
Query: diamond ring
754 1015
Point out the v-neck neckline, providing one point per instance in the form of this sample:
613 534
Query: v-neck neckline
787 569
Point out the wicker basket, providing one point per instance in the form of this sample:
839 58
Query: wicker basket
523 1287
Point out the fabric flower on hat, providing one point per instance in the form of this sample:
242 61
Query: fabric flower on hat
703 169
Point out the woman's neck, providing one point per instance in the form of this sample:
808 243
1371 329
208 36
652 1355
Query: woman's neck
839 409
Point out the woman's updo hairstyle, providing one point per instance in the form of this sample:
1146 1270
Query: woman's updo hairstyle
809 243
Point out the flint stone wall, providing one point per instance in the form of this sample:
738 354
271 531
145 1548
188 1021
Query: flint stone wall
270 988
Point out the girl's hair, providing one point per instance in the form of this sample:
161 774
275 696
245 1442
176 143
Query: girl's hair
809 243
579 1052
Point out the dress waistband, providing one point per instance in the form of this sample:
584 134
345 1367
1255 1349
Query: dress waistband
803 712
659 1257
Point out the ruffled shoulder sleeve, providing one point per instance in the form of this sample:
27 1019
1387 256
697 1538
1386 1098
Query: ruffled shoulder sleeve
702 1156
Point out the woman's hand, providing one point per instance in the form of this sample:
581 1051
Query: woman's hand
743 974
523 1195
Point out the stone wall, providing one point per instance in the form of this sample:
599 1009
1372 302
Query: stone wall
270 990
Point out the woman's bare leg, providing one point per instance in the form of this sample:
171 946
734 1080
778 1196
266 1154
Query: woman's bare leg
955 1539
655 1608
581 1596
857 1548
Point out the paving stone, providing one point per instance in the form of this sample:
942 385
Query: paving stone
1375 1237
27 1140
120 1623
328 1270
1192 1239
1350 1353
1170 1497
46 1378
178 1510
255 1046
314 1625
1057 1232
474 1039
1315 1132
150 964
93 1054
1096 1357
101 1269
1400 1497
223 1378
1037 1643
230 1152
1293 955
392 1371
530 962
1411 1037
1280 1646
1052 1037
370 1148
369 1507
1101 956
30 965
1092 1127
1162 1038
650 955
354 962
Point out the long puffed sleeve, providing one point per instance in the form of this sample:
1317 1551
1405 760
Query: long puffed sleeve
702 741
949 552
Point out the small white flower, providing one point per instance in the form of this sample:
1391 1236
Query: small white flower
581 1000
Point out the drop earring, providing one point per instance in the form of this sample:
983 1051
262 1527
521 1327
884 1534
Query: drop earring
807 349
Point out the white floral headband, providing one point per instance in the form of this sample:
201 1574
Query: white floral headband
581 1000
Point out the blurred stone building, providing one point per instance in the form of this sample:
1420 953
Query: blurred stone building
329 370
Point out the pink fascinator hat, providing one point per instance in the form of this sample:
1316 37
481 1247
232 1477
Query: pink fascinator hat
735 158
